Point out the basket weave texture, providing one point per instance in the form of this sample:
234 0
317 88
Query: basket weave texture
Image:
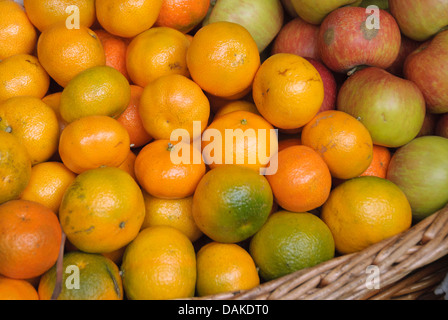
410 266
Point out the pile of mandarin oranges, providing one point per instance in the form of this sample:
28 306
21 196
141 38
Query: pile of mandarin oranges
93 204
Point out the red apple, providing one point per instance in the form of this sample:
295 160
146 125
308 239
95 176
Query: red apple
407 47
330 86
429 125
391 108
428 68
348 39
420 19
297 37
442 126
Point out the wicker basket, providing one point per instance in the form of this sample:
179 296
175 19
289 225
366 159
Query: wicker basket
411 266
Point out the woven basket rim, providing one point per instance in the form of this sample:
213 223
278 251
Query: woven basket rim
400 260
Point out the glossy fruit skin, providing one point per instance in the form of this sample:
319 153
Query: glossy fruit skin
30 238
289 242
365 210
427 68
420 169
99 278
102 210
391 108
182 15
343 45
231 203
160 264
288 91
15 167
14 289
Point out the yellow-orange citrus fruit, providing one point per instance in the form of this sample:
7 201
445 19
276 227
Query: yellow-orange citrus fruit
291 241
169 170
126 18
225 267
44 13
16 289
176 213
157 52
174 102
237 105
102 210
302 181
30 239
288 91
182 15
231 203
92 142
17 33
241 138
223 58
99 279
15 167
34 123
365 210
96 91
48 183
159 264
76 50
22 75
343 142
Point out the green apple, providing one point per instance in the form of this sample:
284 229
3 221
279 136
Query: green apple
315 11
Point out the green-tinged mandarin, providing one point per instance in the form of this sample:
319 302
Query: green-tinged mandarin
15 167
231 203
85 276
289 242
102 210
100 90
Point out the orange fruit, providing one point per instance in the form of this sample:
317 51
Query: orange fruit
343 142
15 167
53 100
157 52
182 15
288 91
237 105
160 264
16 289
132 121
34 123
102 210
98 279
165 173
217 103
100 90
115 50
176 213
365 210
116 256
380 162
289 242
92 142
288 142
22 75
224 267
47 184
302 182
129 164
45 13
223 58
69 45
126 18
241 138
171 103
17 33
30 238
231 203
